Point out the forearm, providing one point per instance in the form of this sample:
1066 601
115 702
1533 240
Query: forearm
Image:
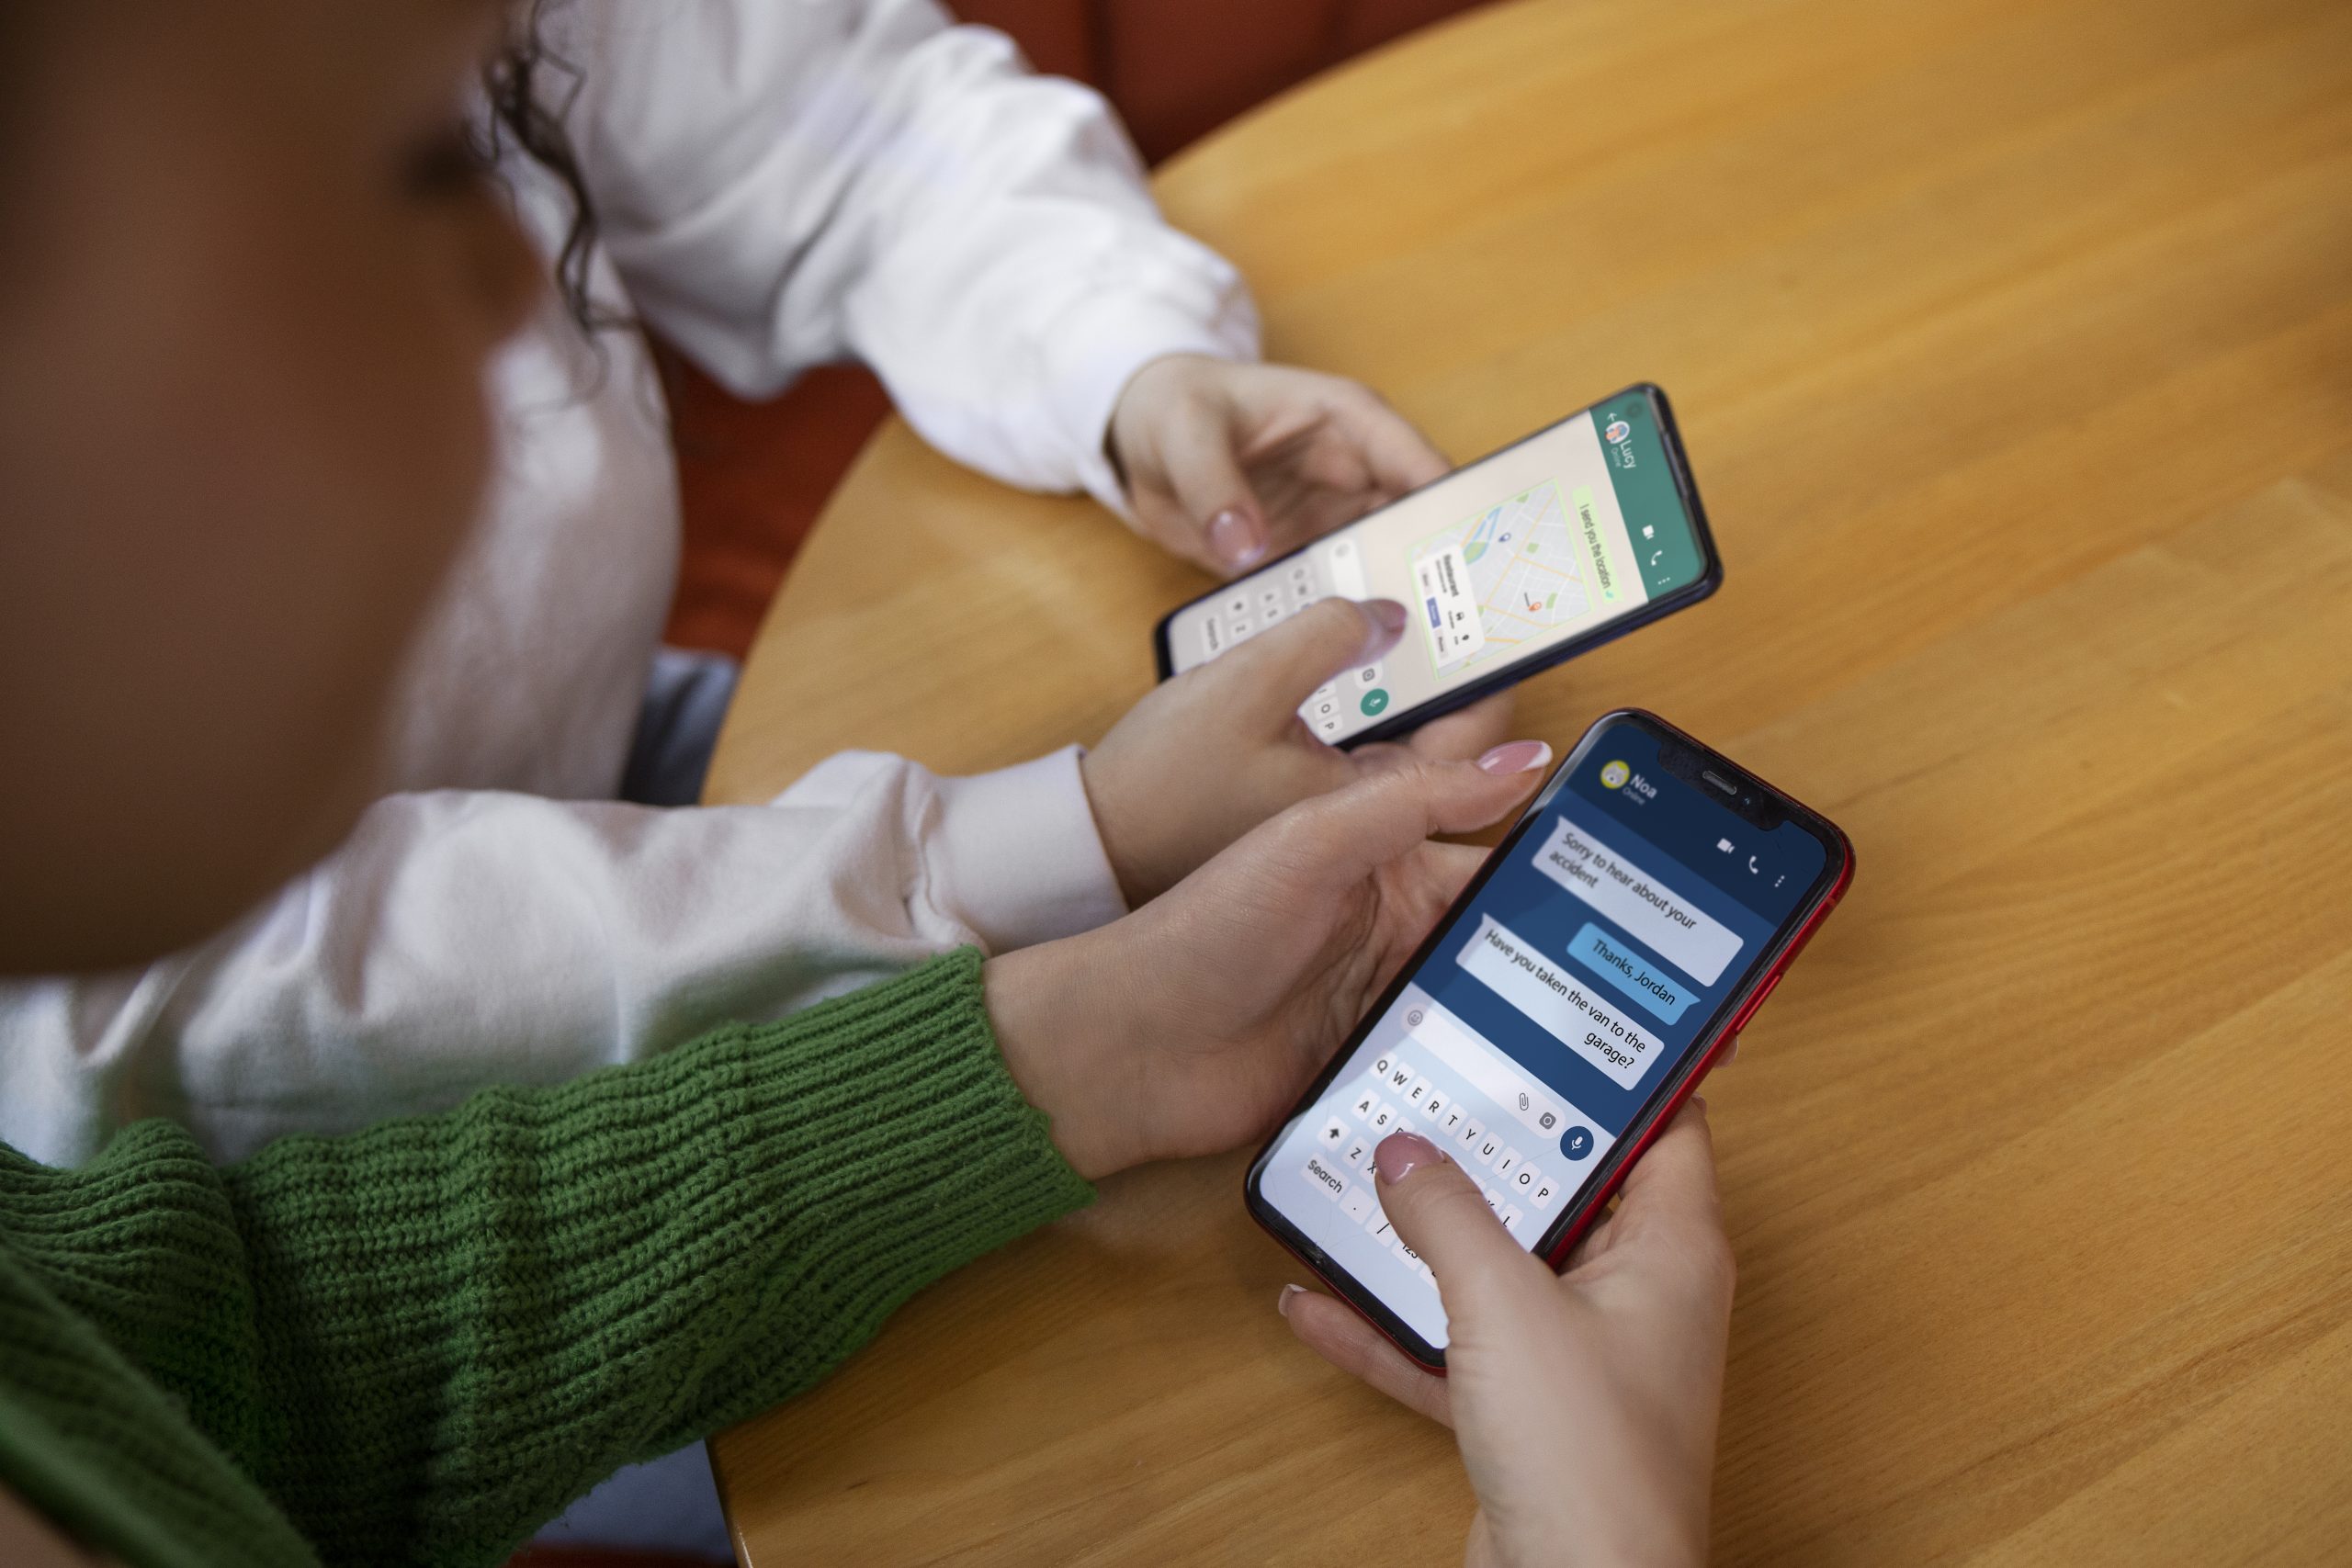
438 1332
782 186
463 939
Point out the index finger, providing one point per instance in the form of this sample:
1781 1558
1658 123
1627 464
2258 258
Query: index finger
1331 843
1398 455
1671 1214
1334 1331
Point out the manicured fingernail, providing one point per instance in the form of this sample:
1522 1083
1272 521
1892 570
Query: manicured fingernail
1235 538
1388 624
1517 757
1282 1302
1401 1154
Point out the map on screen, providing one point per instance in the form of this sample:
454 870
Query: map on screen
1516 574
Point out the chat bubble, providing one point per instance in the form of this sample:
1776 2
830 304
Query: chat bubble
1629 973
1654 914
1565 1007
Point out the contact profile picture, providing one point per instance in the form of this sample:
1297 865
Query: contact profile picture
1615 774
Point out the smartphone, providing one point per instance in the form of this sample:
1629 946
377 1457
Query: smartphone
1557 543
1617 940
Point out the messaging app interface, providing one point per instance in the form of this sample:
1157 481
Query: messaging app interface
1551 1010
1565 531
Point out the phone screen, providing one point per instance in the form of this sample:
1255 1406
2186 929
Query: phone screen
1579 525
1613 926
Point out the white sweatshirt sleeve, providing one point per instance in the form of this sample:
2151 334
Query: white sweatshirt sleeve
783 183
462 938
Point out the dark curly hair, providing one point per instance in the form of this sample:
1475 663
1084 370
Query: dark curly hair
521 85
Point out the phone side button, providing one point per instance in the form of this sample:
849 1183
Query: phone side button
1771 984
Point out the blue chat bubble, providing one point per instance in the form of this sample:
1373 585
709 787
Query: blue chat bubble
1627 972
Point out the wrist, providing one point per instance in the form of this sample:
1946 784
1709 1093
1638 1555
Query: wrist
1611 1531
1047 1006
1141 402
1106 797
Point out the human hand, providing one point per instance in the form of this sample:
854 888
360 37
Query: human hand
1209 755
1585 1403
1190 1025
1228 462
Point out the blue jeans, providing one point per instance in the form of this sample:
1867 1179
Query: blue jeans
677 726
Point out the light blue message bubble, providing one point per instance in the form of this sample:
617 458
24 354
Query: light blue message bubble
1626 971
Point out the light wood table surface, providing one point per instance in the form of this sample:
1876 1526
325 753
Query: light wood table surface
2013 344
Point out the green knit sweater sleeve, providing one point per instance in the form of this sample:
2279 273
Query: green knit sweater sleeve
423 1340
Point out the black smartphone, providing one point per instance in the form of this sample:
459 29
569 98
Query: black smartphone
1557 543
1613 946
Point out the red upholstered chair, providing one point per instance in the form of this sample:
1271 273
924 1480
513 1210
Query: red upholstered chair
753 476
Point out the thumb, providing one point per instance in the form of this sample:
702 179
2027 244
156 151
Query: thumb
1196 455
1279 668
1440 1213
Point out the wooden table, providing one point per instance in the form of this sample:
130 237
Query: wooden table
2013 343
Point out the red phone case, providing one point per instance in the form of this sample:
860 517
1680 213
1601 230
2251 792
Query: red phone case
1590 1209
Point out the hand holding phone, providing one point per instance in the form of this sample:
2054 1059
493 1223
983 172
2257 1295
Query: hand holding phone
1622 1356
1186 1027
1532 555
1225 460
1606 955
1205 758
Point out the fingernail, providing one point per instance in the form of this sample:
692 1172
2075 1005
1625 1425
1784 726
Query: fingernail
1388 624
1401 1154
1282 1302
1235 537
1516 757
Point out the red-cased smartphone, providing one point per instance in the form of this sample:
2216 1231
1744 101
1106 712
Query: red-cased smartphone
1607 952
